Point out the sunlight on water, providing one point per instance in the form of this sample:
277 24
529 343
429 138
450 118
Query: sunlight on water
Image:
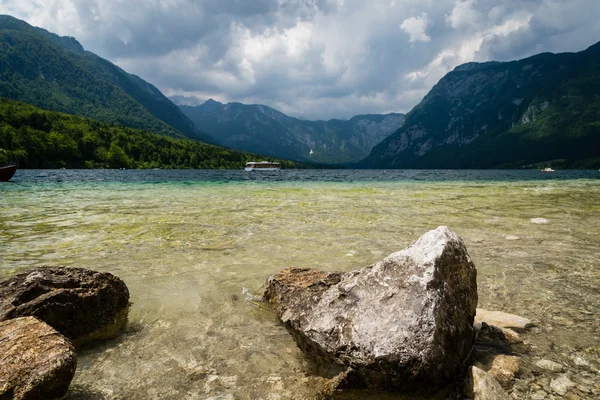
195 256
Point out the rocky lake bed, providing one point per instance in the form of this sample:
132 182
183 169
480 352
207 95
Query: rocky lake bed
195 258
407 324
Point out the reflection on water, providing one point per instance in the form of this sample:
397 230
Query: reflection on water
195 255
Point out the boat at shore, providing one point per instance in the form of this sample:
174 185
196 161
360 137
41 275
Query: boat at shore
547 169
262 166
7 172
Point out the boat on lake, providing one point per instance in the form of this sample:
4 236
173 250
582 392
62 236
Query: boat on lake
262 166
7 172
547 169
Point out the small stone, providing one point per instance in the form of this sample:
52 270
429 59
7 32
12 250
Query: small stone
36 362
548 365
511 237
561 385
523 385
490 335
580 362
539 395
539 220
480 385
502 367
584 389
502 320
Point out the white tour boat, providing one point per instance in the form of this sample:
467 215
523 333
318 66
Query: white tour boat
262 166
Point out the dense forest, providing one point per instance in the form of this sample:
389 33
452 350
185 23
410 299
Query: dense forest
36 138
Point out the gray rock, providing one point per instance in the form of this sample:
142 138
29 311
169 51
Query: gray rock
480 385
36 362
81 304
561 385
548 365
404 321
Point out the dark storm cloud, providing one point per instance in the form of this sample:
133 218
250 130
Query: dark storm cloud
316 58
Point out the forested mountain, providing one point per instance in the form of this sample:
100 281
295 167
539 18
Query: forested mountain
264 130
37 138
56 73
540 111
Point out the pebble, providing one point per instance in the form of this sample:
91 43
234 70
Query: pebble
548 365
584 389
581 362
561 385
539 220
539 395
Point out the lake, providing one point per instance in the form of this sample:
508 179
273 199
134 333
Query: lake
196 247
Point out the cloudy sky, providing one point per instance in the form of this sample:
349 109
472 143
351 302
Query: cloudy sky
312 58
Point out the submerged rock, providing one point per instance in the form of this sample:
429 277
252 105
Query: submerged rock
502 320
403 322
36 362
494 353
504 368
81 304
561 385
493 336
548 365
480 385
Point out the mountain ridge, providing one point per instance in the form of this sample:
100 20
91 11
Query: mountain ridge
261 128
57 73
541 109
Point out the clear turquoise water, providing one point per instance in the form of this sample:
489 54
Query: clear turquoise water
196 247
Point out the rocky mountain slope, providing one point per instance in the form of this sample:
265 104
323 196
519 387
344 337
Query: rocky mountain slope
261 129
540 111
56 73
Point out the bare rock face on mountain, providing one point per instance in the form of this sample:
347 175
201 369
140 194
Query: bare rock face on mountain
404 322
81 304
36 362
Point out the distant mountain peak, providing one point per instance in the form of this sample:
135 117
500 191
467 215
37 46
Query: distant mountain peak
213 102
262 129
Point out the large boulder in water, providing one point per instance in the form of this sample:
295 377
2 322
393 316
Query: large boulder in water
405 322
36 362
81 304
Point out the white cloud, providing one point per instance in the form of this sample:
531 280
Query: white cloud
416 27
464 15
316 58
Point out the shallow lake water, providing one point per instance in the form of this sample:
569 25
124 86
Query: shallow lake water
195 249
